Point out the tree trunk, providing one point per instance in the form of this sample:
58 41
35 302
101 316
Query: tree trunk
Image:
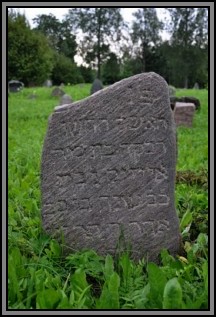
98 46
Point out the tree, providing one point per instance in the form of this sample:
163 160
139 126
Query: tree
58 33
29 57
99 25
111 70
87 74
189 41
145 32
65 71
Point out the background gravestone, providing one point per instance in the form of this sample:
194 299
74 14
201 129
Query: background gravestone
57 92
196 86
65 99
96 86
15 85
184 113
108 170
48 83
185 99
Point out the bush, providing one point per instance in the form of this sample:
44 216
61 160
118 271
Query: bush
65 71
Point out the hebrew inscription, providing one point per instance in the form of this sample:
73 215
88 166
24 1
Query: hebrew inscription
108 168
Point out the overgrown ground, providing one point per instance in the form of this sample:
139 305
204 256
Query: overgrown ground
40 278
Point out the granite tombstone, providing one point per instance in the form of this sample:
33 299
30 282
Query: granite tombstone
108 170
57 92
96 86
65 99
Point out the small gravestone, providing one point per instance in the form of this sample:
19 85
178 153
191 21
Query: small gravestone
185 99
15 85
96 86
62 85
65 99
196 86
57 92
48 83
184 113
108 170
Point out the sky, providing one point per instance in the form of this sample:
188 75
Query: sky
127 14
60 12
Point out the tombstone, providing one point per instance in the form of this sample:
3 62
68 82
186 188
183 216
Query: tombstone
184 113
57 92
15 85
48 83
62 85
96 86
65 99
108 171
185 99
172 90
196 86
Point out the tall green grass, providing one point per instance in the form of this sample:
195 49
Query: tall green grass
39 277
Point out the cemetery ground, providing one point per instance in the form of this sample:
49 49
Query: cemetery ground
40 277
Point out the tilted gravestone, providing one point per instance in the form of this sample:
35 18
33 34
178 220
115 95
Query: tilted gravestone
184 113
65 99
57 92
108 170
96 86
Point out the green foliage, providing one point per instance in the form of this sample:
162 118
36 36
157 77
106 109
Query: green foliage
58 34
189 46
99 25
172 297
111 70
29 57
65 71
87 74
145 33
41 277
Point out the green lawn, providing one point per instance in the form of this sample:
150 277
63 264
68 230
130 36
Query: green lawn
39 277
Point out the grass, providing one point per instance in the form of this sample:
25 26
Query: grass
39 277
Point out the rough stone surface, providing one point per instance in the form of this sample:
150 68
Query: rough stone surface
108 170
65 99
184 113
57 92
96 86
